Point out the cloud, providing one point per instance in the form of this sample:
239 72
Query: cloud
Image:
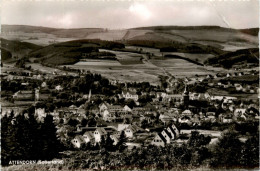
64 21
125 14
141 11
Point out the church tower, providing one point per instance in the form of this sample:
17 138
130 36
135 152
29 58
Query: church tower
186 97
89 95
37 95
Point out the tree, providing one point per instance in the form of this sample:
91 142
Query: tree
51 145
26 139
227 152
130 103
198 140
109 143
73 122
84 122
250 152
121 143
197 145
144 123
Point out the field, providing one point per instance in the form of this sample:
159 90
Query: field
180 67
147 71
129 67
137 66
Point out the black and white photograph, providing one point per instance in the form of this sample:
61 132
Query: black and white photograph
126 85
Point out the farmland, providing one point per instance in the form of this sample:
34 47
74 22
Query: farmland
144 61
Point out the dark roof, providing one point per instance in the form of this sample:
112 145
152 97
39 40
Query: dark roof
169 134
161 136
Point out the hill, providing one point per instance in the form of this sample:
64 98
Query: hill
15 49
239 57
77 32
206 35
213 40
72 51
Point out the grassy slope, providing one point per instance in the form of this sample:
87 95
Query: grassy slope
16 48
240 56
185 39
79 33
70 52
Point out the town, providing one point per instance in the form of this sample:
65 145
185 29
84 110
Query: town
129 85
88 109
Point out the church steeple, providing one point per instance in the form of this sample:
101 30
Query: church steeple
89 95
186 97
186 92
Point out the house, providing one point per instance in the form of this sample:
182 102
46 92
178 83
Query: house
238 112
131 145
161 95
225 118
127 108
40 114
228 75
240 73
211 84
7 110
113 82
111 108
88 137
25 84
108 115
185 119
115 138
238 87
59 88
167 136
78 141
176 97
159 140
122 127
130 95
210 76
102 107
131 130
196 119
167 118
98 133
173 130
214 98
44 84
187 113
210 117
24 95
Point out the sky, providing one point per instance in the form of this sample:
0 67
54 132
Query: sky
117 14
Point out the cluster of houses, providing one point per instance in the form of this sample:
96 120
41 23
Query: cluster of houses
165 108
136 136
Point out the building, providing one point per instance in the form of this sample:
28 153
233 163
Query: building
159 140
24 95
98 133
40 114
131 130
78 141
167 136
174 131
130 95
186 97
88 137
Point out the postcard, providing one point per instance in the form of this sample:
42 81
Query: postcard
129 85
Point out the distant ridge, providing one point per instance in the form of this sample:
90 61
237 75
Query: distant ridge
30 29
250 31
